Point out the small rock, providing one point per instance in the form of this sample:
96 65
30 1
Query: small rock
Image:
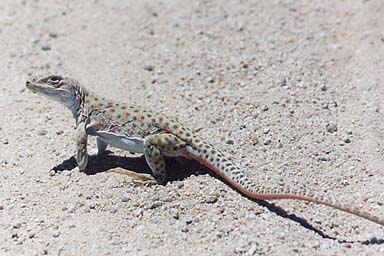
264 108
31 235
125 199
45 46
210 79
331 128
59 132
56 233
5 141
267 141
155 205
349 132
149 68
53 35
230 142
212 199
324 88
42 132
347 140
325 158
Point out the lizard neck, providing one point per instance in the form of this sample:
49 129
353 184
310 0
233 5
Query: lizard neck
77 103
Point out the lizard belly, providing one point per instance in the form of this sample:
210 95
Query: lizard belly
130 144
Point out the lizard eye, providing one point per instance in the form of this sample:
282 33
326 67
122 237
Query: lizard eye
54 80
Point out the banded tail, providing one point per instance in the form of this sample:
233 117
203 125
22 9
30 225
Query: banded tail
225 168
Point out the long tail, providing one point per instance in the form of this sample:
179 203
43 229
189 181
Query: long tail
225 168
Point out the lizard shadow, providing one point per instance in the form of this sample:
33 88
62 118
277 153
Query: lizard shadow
107 161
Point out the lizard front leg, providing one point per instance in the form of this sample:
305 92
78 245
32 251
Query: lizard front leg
158 145
81 146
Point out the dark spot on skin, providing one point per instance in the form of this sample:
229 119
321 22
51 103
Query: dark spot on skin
175 126
118 116
213 151
188 134
149 115
197 140
123 107
96 98
207 146
204 151
153 120
166 124
161 119
217 159
136 111
228 164
175 148
211 159
134 118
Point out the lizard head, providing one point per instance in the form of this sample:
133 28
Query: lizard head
64 90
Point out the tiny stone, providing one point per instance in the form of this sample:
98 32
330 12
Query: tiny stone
264 108
331 128
230 142
1 207
42 132
347 140
45 47
349 132
56 233
155 205
267 141
125 199
149 67
59 132
5 142
325 158
211 199
53 35
210 79
324 88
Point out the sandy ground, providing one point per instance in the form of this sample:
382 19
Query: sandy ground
292 91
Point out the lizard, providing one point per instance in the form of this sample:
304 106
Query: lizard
157 136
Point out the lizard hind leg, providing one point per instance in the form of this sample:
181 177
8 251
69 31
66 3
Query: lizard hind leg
158 145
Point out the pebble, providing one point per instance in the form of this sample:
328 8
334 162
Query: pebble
149 68
1 207
42 132
264 108
212 199
230 142
347 140
59 132
267 141
125 199
5 141
155 205
331 128
324 88
56 233
45 46
210 79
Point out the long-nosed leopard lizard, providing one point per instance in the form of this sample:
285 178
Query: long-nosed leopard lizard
156 136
